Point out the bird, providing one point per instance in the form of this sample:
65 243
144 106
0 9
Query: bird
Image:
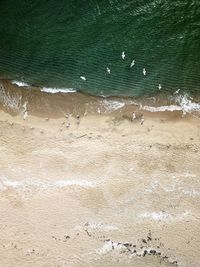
159 87
25 115
68 124
177 91
108 70
83 78
78 119
132 63
142 120
24 106
47 118
144 71
123 55
133 116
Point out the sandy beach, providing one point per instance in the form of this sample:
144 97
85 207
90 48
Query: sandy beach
100 190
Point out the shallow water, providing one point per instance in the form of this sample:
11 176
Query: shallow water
53 44
15 97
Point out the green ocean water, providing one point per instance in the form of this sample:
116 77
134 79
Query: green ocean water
52 43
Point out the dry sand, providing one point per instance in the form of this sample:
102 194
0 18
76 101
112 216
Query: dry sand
106 192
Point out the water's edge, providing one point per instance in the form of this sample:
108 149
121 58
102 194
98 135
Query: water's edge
16 97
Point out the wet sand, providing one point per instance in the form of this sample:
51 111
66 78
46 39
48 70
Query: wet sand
105 192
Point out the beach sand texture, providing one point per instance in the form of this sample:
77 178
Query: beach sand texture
102 192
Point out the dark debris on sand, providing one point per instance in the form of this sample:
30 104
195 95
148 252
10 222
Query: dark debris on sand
143 249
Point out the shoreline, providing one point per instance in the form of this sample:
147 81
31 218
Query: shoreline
102 192
13 99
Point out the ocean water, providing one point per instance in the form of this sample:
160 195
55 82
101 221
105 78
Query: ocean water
52 43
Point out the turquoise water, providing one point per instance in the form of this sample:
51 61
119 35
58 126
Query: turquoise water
52 43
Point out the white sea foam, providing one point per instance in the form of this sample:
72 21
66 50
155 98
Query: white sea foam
33 185
8 183
108 246
20 84
10 101
51 90
157 216
101 226
187 175
192 192
161 108
163 216
96 226
156 185
183 103
58 90
112 105
65 183
25 185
